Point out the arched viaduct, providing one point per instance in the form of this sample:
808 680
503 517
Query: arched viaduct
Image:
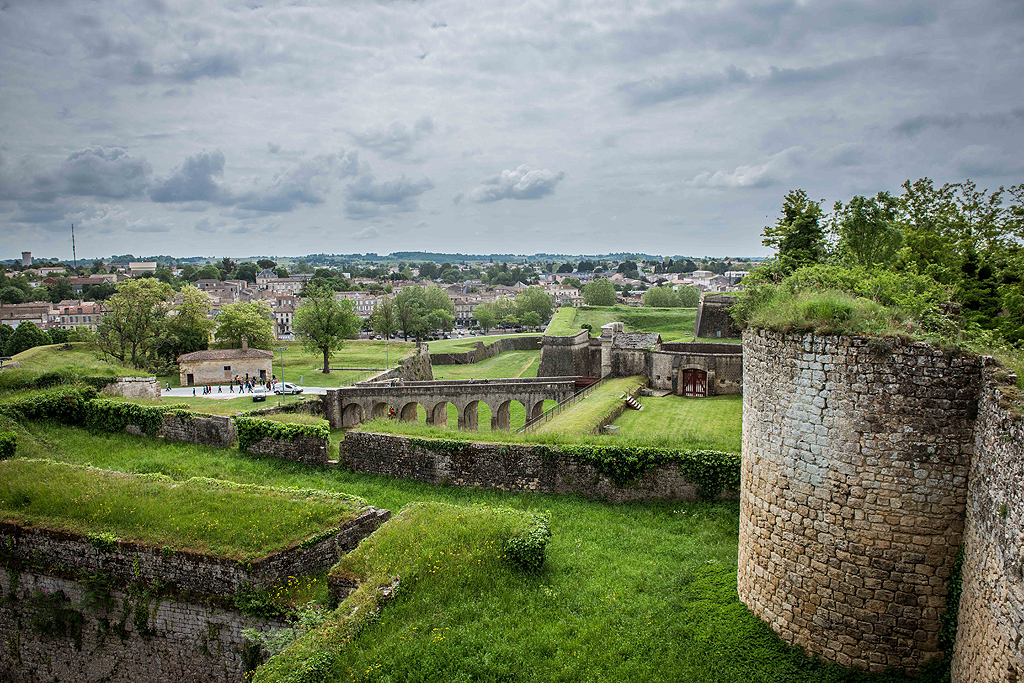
348 406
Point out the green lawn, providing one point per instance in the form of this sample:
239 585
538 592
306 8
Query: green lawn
84 358
469 343
581 417
674 324
711 423
201 516
642 592
508 364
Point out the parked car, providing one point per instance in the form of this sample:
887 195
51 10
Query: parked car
259 394
287 388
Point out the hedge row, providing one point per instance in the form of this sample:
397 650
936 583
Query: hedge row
8 444
79 407
252 430
23 380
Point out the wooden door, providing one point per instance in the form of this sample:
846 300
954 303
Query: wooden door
693 382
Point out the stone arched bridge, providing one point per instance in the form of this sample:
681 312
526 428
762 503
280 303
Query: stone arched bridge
348 406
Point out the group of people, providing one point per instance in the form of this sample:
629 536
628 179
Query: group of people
244 385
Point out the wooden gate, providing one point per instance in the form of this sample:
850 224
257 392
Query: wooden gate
693 382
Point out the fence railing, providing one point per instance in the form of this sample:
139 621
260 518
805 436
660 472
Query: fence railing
551 412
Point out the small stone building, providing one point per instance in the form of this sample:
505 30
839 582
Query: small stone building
220 366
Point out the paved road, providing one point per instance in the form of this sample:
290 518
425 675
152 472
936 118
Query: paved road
187 392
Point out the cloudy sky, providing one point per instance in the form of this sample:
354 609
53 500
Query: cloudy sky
286 128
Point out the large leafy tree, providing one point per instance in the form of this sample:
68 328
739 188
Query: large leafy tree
26 336
253 321
866 231
661 297
132 329
798 234
5 334
536 300
384 321
60 290
189 330
599 293
11 295
484 314
414 306
323 323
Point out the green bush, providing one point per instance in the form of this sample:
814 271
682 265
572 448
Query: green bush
105 415
712 471
525 548
8 444
64 405
252 430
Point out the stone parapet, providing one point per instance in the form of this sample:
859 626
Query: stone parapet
209 430
309 450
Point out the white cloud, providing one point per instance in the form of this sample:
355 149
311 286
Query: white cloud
522 183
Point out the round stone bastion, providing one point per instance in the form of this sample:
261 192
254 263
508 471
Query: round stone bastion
856 453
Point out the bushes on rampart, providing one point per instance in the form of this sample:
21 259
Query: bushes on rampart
252 430
23 380
80 407
8 444
106 415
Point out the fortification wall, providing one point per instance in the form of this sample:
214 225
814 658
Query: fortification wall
117 637
854 482
990 636
309 450
570 355
724 370
509 467
713 318
209 430
415 368
181 569
482 352
133 387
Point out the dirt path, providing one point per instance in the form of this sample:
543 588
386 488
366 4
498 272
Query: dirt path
525 367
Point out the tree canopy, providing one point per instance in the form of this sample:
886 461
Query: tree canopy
323 323
599 293
253 321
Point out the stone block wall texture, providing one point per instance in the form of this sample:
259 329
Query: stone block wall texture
508 467
713 319
184 570
482 351
854 481
990 636
309 450
415 368
209 430
565 356
184 641
133 387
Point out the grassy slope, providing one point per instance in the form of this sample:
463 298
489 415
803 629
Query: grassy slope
674 324
712 423
85 358
637 592
508 364
227 521
581 417
468 343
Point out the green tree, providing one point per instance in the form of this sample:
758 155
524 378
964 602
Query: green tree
413 306
60 290
484 314
253 321
190 273
26 336
323 323
132 329
5 335
246 271
11 295
505 311
189 330
797 234
265 263
599 293
208 272
689 296
866 231
384 321
661 297
538 301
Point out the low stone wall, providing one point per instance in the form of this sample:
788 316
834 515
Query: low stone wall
509 467
307 406
482 351
415 368
990 636
181 641
309 450
208 430
184 570
133 387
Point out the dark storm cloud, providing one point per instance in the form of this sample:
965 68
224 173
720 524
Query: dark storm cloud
916 124
395 140
307 183
366 199
92 172
522 183
193 181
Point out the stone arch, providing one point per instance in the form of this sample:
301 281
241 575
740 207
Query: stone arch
351 415
380 410
438 415
409 412
537 410
502 417
473 413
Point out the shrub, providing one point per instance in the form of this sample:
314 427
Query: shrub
105 415
8 444
711 471
252 430
525 548
64 405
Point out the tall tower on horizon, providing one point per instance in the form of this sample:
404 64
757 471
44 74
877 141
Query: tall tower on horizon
26 258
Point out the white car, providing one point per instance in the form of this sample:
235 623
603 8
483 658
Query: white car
286 388
259 394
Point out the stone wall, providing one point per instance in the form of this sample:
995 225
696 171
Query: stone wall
482 351
990 637
854 481
184 641
133 387
309 450
509 467
713 319
181 569
723 364
565 356
311 405
209 430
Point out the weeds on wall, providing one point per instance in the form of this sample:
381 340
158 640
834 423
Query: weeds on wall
252 430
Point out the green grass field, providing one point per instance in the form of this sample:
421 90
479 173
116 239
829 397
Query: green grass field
581 417
674 324
85 358
508 364
642 592
201 516
712 423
